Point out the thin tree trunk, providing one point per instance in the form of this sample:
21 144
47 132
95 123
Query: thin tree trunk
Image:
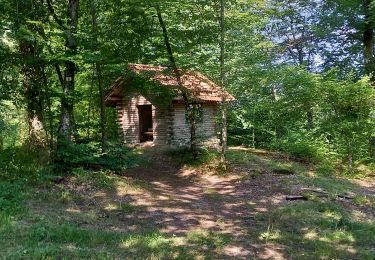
350 155
191 107
310 119
222 82
368 47
102 106
98 69
88 133
368 40
253 128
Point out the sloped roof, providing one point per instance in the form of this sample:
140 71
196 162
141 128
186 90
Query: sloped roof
196 84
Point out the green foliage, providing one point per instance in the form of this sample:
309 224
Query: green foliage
314 118
303 147
89 155
157 94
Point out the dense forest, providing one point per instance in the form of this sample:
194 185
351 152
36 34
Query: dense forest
302 73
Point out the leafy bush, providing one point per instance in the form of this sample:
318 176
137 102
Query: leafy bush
19 169
303 147
11 194
90 156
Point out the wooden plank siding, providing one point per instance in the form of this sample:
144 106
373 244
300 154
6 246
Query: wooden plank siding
169 123
129 119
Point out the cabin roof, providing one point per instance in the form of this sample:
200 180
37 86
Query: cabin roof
196 84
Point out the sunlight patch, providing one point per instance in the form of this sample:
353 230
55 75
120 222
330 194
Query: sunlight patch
271 235
311 235
73 210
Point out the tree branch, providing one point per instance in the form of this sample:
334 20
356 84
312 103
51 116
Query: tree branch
170 53
55 17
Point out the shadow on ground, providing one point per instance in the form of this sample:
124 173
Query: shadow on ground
168 209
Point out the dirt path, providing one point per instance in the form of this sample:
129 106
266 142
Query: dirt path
182 200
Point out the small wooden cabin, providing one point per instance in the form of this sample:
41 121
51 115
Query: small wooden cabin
142 119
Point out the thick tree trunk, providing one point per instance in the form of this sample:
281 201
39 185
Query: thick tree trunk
32 83
67 124
98 69
368 40
32 69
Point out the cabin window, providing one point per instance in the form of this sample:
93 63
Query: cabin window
145 123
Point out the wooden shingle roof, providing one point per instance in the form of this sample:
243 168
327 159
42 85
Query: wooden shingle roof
196 84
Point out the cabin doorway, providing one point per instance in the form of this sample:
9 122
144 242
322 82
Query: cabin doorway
145 123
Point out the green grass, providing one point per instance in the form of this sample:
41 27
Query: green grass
209 239
184 156
43 240
316 230
264 163
365 200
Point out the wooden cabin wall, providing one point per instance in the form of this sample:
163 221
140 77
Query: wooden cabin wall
162 118
128 119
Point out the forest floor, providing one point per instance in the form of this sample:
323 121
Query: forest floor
172 207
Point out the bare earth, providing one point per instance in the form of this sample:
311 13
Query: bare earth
183 200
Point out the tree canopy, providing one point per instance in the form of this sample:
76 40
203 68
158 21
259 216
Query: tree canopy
302 70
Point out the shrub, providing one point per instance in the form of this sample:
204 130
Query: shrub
90 156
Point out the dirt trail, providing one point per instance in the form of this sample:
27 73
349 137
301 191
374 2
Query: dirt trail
181 200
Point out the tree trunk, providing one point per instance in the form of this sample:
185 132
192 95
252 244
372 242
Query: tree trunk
98 69
48 115
222 82
67 124
191 106
310 119
368 40
350 155
32 69
33 84
102 106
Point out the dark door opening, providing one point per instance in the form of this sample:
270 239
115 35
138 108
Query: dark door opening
145 123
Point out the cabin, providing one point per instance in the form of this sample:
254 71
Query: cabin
151 108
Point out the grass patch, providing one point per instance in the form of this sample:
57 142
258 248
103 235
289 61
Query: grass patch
184 156
98 179
127 208
319 230
209 239
214 195
365 200
332 185
44 240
